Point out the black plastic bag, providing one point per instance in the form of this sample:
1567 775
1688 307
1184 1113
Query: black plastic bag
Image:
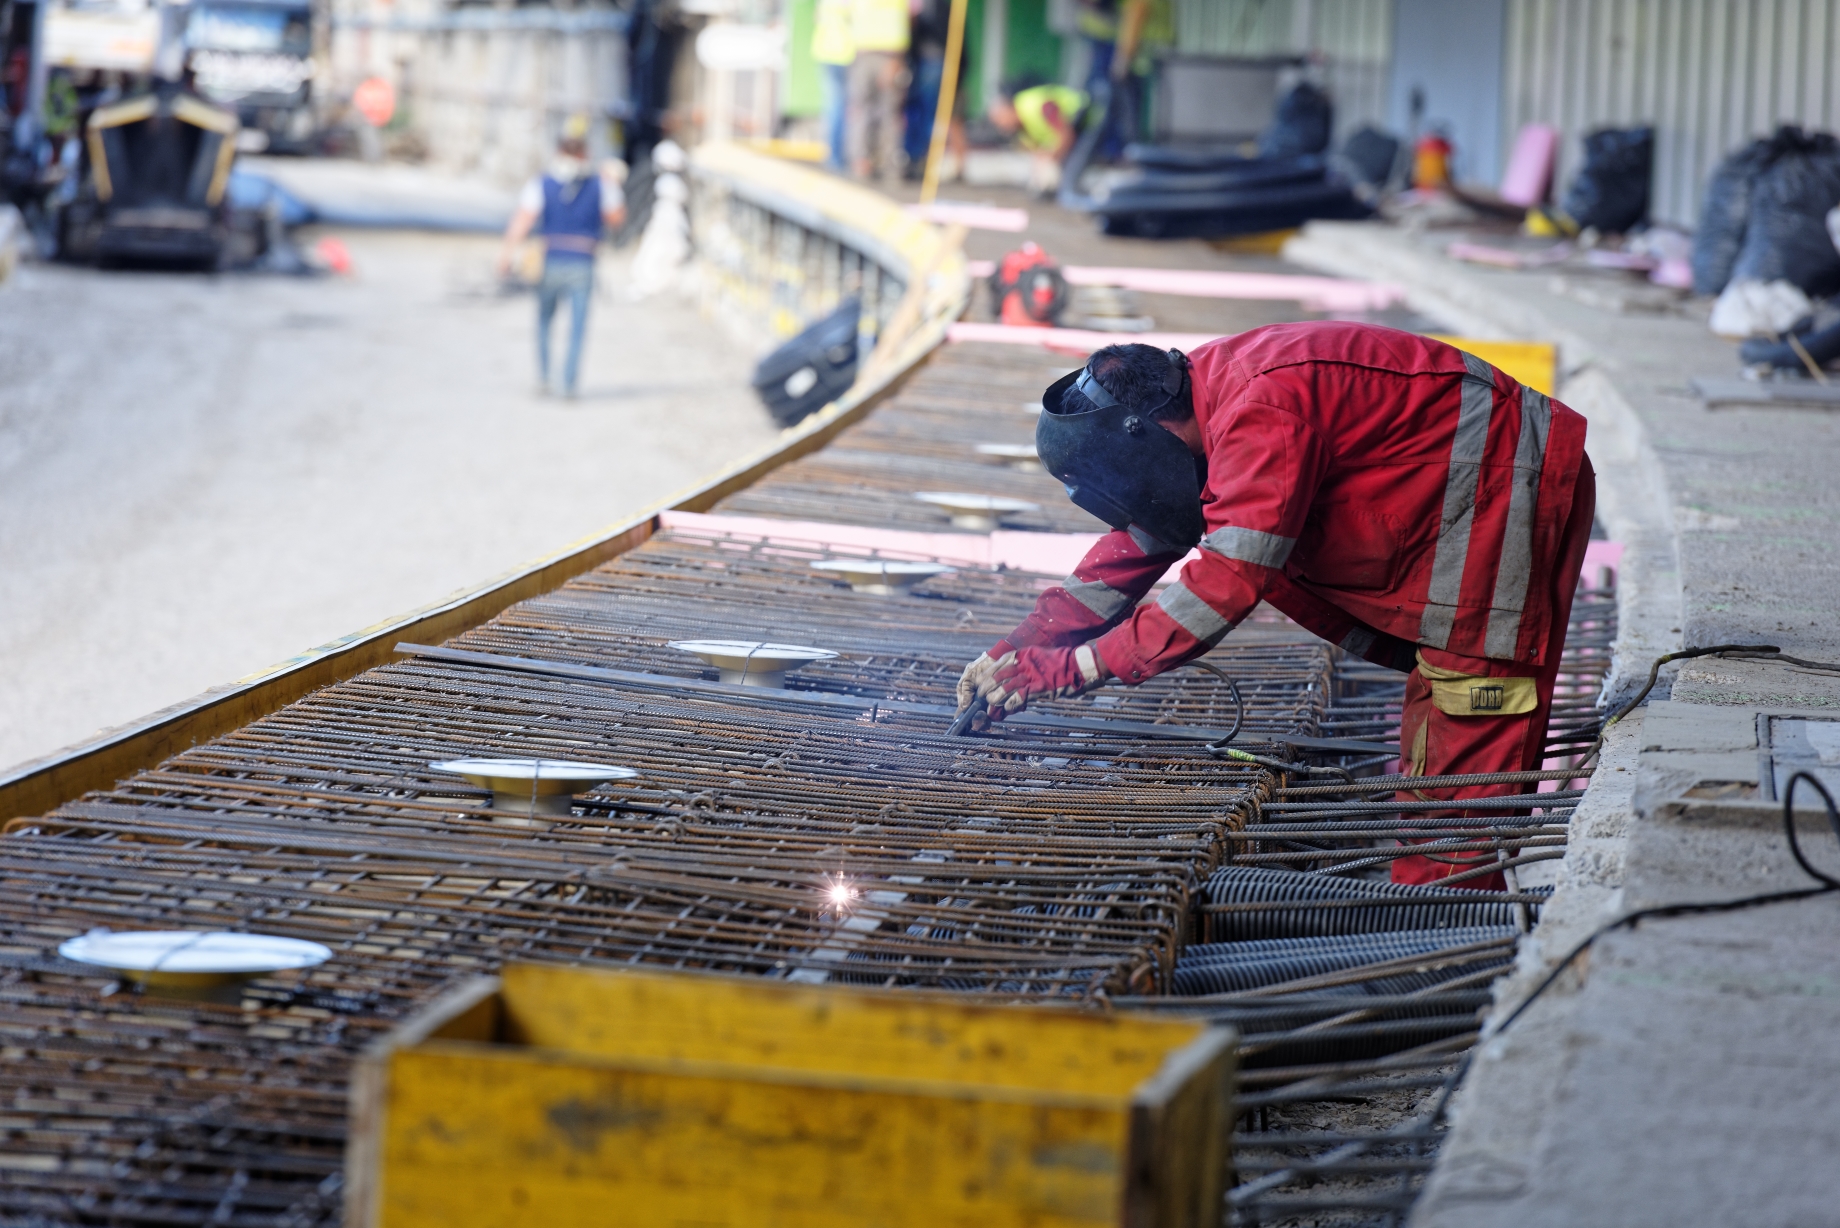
1725 213
813 369
1371 155
1819 340
1302 125
1610 192
1786 236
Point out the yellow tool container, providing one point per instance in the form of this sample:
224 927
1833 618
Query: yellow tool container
1533 363
559 1097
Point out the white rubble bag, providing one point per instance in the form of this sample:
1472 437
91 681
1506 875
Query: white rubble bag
664 248
1758 309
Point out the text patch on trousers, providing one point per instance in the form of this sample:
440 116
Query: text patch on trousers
1456 694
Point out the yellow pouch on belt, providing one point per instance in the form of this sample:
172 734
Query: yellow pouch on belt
1457 694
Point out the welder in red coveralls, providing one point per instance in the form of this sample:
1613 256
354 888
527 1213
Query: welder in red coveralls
1394 495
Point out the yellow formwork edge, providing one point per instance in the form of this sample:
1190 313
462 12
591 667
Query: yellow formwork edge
565 1096
1532 363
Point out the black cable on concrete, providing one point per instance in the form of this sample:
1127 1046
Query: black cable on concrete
1773 655
1680 910
1654 672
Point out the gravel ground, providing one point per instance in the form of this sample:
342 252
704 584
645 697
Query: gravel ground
202 475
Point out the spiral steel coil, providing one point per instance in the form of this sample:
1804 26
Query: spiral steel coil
1429 908
1228 967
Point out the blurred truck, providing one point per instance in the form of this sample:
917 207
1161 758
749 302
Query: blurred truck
255 57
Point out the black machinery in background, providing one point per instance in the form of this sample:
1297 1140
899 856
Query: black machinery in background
812 369
158 167
1213 190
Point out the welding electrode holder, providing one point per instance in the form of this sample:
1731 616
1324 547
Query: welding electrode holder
961 724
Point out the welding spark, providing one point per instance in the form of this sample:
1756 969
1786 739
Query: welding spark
840 896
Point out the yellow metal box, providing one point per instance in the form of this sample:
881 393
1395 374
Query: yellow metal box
1534 364
561 1096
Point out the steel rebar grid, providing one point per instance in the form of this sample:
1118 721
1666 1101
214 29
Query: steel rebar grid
625 614
1017 865
922 439
1023 864
1344 1099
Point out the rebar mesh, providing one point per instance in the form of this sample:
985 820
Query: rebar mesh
922 440
1029 863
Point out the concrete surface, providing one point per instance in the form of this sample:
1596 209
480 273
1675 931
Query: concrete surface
342 192
203 475
1681 1070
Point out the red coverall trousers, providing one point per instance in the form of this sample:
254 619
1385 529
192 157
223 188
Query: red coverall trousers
1432 742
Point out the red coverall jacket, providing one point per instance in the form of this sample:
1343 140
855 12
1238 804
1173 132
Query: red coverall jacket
1383 489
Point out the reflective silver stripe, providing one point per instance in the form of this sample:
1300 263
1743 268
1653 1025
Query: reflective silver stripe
1250 546
1358 641
1092 669
1149 544
1096 595
1515 576
1193 615
1466 451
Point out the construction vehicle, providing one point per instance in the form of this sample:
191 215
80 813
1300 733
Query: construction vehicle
156 169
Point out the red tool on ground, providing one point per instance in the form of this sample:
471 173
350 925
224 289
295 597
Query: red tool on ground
1028 288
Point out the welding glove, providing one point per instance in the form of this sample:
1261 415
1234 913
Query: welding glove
981 671
1029 674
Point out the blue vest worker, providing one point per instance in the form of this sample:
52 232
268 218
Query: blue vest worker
570 206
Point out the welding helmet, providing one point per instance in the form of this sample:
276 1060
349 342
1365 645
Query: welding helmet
1120 465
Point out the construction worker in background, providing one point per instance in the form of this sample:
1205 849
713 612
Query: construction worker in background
926 65
1144 27
1047 117
878 86
833 47
571 205
1097 23
1390 493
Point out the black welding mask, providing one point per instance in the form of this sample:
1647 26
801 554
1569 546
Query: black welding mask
1120 465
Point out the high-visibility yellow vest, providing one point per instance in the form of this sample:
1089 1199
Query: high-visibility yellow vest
1031 106
833 35
881 25
1096 23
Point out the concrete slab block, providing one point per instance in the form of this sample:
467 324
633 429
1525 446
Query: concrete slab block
1680 726
1713 682
1690 1083
1688 852
1704 765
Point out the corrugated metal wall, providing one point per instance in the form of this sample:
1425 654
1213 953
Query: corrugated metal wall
1355 40
486 89
1352 38
1709 74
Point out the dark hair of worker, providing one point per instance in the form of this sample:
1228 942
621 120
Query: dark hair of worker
1133 373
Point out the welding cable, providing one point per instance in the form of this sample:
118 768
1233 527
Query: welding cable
1239 703
1654 673
1827 667
1278 765
1828 883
